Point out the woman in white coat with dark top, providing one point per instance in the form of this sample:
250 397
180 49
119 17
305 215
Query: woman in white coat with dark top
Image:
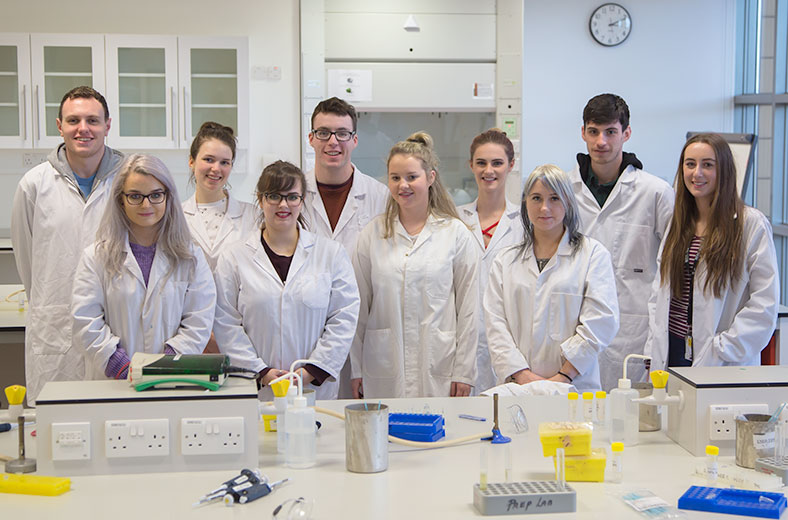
285 293
717 290
550 305
143 286
417 273
216 219
494 221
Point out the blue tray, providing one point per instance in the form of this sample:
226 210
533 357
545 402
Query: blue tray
733 501
421 427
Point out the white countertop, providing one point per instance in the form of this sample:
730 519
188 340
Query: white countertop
435 484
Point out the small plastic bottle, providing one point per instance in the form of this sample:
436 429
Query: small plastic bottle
280 404
573 397
301 450
624 413
588 407
616 463
483 466
712 469
601 404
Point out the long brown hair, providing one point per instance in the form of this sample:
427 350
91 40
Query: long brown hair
721 251
440 203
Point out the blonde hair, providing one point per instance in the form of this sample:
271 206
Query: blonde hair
440 204
174 239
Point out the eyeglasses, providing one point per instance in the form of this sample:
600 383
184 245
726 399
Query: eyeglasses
293 199
156 197
321 134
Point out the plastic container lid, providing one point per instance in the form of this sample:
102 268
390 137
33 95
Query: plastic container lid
588 395
617 447
572 396
624 383
712 450
601 394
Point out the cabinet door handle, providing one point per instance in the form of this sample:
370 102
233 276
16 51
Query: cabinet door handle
38 120
23 109
173 114
186 114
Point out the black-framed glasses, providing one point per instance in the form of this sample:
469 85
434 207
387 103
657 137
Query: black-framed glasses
156 197
321 134
293 199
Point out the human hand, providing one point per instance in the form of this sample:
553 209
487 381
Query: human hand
460 389
526 376
271 375
356 388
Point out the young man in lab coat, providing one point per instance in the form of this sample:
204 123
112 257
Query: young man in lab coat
340 200
628 211
56 211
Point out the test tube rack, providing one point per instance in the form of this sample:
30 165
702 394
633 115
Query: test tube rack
523 498
772 466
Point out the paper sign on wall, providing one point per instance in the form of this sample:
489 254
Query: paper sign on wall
350 85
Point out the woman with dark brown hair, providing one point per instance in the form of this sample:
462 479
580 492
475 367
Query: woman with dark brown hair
717 289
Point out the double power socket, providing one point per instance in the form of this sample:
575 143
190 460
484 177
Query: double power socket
150 438
722 419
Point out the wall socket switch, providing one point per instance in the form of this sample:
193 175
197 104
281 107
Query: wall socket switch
212 435
137 438
71 441
722 419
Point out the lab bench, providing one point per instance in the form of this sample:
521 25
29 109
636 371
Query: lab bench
419 483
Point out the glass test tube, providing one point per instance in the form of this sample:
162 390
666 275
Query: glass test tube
572 396
483 467
560 475
588 406
616 462
711 464
508 462
779 442
601 401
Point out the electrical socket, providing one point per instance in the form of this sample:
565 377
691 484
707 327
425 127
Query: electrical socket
137 438
722 419
212 435
71 441
33 159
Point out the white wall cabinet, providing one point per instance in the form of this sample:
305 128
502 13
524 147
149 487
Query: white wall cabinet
58 63
159 89
15 92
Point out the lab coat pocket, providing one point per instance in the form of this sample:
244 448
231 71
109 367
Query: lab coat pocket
632 250
439 281
564 315
316 291
442 349
50 329
379 357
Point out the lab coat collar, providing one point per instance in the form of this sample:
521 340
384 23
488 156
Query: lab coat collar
234 209
510 214
158 269
355 196
425 234
564 249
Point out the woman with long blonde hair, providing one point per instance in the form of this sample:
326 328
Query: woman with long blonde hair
416 267
716 293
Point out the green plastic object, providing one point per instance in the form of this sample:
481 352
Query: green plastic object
151 384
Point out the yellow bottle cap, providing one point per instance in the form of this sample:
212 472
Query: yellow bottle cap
617 447
588 395
280 387
572 396
659 378
712 450
601 394
15 394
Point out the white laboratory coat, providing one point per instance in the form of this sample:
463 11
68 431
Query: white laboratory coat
732 329
631 226
417 328
366 200
509 231
51 224
569 309
239 220
175 309
263 322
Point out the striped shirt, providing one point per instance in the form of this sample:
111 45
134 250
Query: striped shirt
678 316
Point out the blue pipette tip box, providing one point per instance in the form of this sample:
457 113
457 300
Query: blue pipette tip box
422 427
733 501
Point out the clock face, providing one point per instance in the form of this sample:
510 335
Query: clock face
610 24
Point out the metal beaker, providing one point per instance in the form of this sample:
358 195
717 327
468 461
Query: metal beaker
754 439
649 416
366 438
